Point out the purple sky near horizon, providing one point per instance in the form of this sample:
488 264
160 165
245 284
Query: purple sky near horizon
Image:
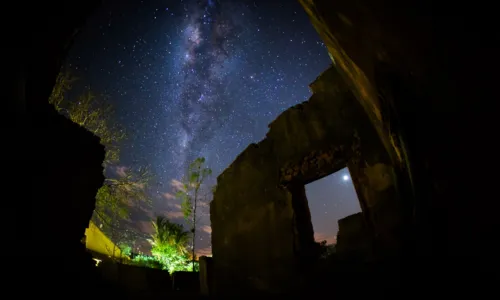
203 78
331 198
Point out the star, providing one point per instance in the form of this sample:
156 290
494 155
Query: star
201 78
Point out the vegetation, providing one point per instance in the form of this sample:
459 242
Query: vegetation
169 245
326 250
169 241
87 111
64 83
125 249
147 261
117 194
190 196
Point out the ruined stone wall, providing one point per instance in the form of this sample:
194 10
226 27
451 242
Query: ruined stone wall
401 61
262 236
252 217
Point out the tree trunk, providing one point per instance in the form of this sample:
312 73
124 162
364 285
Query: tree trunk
194 221
113 232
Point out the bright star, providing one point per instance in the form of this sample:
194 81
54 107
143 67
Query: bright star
345 178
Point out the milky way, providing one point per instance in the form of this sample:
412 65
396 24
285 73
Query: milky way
209 53
201 78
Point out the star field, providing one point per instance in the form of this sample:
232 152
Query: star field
198 78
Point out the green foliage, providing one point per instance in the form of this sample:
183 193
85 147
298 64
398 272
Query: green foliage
147 261
131 185
63 84
90 113
109 206
167 232
325 250
171 259
115 197
195 266
125 249
95 116
169 245
113 201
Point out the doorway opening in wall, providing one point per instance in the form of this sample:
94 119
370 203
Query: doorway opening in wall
330 199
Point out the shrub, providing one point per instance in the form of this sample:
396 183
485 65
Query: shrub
146 261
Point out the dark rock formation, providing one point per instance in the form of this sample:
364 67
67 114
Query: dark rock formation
63 198
262 236
54 165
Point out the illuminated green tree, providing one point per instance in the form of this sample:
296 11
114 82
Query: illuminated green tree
190 196
126 249
146 261
169 245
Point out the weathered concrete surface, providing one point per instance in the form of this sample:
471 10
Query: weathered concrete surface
262 236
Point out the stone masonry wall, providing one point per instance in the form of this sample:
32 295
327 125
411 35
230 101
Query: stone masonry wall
262 234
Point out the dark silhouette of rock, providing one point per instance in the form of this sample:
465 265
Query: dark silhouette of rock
52 163
63 198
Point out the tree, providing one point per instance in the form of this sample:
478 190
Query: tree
125 248
64 83
190 194
115 197
326 250
87 111
117 194
169 244
146 261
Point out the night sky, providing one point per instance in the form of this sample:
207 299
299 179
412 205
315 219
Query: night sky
203 78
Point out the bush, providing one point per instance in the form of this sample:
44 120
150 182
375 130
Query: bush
326 251
147 261
171 258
